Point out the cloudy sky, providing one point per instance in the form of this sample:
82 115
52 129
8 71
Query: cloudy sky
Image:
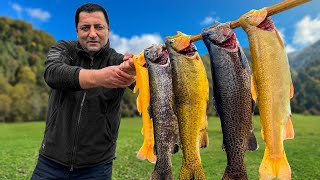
135 25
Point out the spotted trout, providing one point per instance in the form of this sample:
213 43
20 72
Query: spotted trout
232 96
143 102
272 85
191 89
164 120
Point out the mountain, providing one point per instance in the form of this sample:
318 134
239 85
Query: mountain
300 58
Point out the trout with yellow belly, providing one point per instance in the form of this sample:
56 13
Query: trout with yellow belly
272 85
191 90
143 102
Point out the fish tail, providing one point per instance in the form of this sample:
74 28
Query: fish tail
252 142
157 176
271 168
146 152
196 173
204 139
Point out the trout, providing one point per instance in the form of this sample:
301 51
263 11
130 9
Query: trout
232 96
272 85
164 120
191 89
143 101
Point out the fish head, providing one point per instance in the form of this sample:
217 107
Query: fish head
222 35
157 54
255 17
139 60
182 44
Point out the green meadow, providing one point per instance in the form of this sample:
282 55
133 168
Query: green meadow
19 144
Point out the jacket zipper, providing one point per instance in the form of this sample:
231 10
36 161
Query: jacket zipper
73 156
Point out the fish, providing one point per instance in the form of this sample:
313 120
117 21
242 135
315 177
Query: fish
143 101
232 96
165 122
272 88
191 89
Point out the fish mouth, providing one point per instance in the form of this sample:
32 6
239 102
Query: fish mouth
189 50
229 43
157 54
267 24
162 59
222 36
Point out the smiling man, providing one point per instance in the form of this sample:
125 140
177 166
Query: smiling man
87 79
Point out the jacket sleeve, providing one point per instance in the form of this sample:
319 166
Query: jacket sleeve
59 74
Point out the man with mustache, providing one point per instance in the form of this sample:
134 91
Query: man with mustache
87 80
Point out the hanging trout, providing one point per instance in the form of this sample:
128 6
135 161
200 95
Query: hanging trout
191 89
164 120
143 101
271 83
233 100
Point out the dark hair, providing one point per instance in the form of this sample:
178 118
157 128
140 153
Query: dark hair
89 8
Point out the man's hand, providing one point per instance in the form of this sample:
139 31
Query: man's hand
127 64
108 77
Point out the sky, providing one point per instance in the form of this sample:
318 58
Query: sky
136 25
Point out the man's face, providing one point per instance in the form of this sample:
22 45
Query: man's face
92 31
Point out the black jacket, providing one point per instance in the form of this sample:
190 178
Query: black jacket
81 125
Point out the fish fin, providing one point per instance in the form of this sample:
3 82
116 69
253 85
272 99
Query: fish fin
175 148
146 152
262 134
279 38
253 105
291 90
191 172
243 58
254 93
223 147
215 105
156 175
150 113
252 142
204 138
271 168
289 131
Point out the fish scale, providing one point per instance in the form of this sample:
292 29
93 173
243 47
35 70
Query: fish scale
232 95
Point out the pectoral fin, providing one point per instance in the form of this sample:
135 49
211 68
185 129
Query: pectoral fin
252 142
289 131
291 90
254 93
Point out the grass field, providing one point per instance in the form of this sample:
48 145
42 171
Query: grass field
19 144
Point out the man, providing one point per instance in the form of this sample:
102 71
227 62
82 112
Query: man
87 78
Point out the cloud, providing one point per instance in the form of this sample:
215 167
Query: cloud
35 13
208 21
135 44
16 7
307 31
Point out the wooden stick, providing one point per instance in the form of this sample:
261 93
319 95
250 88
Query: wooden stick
274 9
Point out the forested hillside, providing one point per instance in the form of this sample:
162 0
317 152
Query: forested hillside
24 94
